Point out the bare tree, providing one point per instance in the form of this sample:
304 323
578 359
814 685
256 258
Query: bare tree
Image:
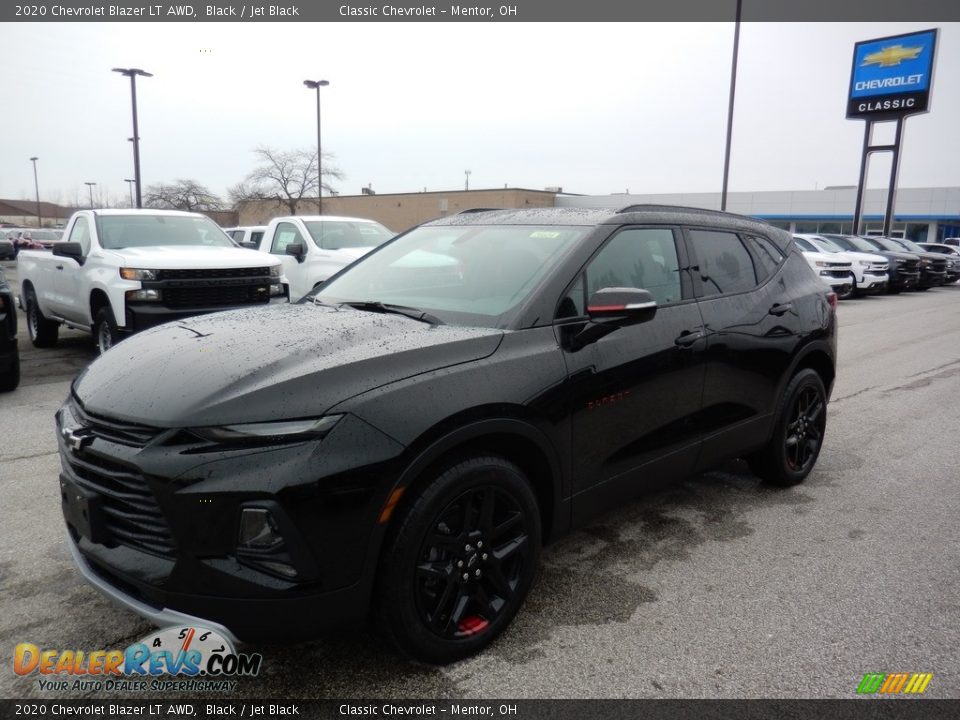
285 176
181 195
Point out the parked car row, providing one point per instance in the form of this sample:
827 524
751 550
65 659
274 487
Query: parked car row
13 240
861 265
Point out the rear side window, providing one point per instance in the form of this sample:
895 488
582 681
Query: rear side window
722 263
767 255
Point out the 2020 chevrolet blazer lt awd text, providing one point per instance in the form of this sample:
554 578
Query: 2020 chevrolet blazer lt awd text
400 444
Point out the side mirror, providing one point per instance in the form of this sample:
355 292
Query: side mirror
612 308
297 250
248 244
70 250
621 306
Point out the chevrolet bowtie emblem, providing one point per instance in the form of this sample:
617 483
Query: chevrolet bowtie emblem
76 440
890 56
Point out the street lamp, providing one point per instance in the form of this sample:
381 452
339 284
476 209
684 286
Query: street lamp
90 190
130 182
36 186
132 74
466 185
316 85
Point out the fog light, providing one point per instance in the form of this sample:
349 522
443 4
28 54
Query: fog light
143 295
276 290
258 531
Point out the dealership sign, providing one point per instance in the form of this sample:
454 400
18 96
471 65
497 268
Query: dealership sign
892 76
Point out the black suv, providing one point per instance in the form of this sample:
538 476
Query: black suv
402 441
9 357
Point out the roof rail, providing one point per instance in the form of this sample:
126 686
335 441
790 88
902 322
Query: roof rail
669 208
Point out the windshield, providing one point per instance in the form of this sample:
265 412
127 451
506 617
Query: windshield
826 245
338 234
464 275
123 231
909 245
887 244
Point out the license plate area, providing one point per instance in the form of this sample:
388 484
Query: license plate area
82 509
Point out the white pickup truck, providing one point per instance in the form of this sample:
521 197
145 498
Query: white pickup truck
314 247
119 271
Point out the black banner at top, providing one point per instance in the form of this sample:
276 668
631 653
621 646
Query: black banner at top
477 11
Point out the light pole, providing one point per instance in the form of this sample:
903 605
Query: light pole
90 190
466 185
36 186
130 182
316 85
132 74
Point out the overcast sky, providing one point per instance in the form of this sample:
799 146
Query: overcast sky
594 108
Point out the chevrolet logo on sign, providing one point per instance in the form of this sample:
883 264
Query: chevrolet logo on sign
890 56
892 76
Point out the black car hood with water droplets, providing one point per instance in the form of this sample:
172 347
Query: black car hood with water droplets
273 363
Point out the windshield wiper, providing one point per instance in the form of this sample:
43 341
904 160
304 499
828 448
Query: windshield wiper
410 312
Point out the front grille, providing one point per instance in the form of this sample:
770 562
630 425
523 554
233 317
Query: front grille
842 274
911 265
879 268
130 434
131 515
203 297
939 265
211 273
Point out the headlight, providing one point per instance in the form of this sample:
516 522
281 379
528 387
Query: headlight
821 263
864 263
143 295
283 431
137 274
900 261
275 271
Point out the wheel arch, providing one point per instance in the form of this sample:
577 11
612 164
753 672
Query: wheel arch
515 440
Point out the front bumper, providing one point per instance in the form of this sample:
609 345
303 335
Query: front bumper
153 523
141 316
932 278
873 282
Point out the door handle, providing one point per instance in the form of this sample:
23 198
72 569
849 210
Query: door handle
59 267
779 309
687 338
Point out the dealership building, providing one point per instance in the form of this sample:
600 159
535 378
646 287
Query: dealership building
921 214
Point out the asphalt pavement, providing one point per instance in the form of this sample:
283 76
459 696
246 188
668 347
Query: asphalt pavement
719 587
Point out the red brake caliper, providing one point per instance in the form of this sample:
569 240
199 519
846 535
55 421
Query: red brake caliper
473 624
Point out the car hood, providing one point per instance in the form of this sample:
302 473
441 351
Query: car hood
271 363
351 252
189 257
825 257
857 256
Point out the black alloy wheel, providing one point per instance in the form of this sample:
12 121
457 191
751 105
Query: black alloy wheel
471 563
805 429
792 451
461 561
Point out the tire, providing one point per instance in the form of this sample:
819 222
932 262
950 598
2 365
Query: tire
105 331
460 561
11 379
792 451
43 333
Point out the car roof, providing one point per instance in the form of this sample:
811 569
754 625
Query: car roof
146 212
340 218
628 215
